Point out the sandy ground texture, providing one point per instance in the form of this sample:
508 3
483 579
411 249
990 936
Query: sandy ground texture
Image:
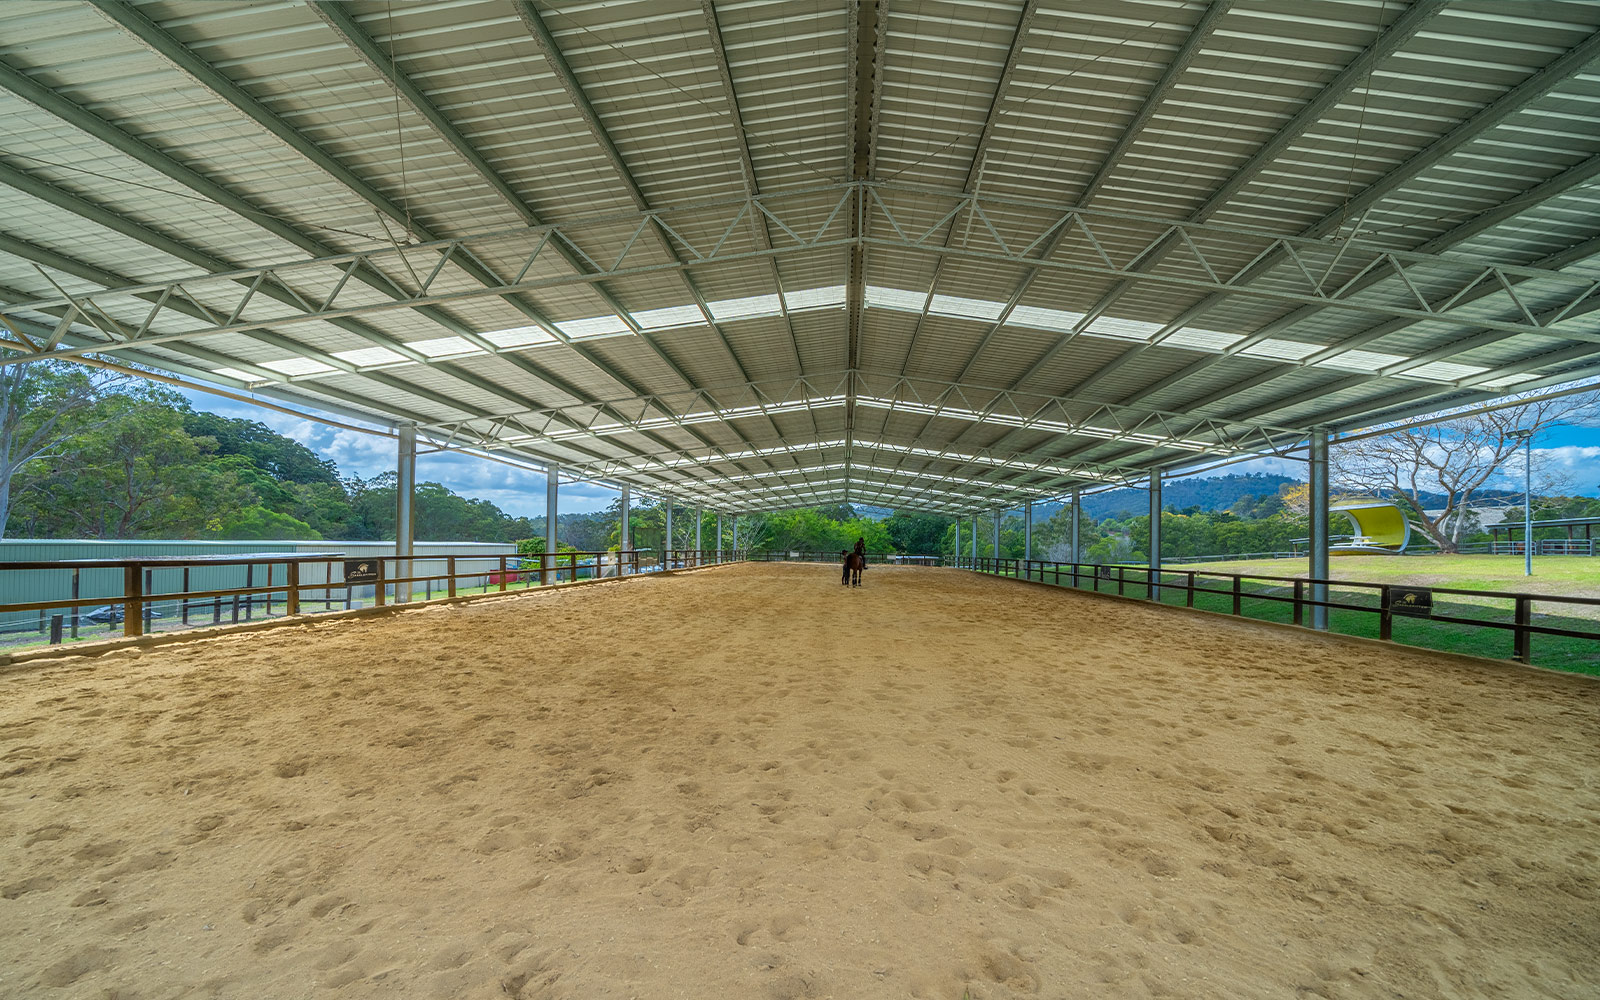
751 782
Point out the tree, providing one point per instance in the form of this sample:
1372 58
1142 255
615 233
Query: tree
42 406
132 472
1454 458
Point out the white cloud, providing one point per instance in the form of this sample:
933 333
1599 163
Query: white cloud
1259 466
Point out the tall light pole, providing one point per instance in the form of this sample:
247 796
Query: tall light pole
1527 501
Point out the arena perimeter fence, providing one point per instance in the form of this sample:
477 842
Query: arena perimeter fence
1464 621
139 596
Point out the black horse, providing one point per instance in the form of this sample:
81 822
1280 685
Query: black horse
854 563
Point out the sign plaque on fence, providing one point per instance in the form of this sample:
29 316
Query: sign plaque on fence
361 572
1414 601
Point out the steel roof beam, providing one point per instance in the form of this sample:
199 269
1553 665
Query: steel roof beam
1192 46
1405 27
1533 88
1552 188
759 226
979 153
1462 274
557 61
868 31
89 272
152 36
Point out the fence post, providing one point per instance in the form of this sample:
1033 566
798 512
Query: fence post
1299 610
1122 580
132 600
379 598
291 581
1189 589
450 567
149 588
1385 618
216 610
1238 603
250 599
55 630
186 595
75 608
1522 639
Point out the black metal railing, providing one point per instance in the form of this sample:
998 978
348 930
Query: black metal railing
1350 607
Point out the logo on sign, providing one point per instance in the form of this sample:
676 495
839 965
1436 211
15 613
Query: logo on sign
361 572
1414 601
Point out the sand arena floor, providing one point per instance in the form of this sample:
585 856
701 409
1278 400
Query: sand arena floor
750 782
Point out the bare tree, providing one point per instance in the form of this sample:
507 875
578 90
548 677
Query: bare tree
41 408
1454 458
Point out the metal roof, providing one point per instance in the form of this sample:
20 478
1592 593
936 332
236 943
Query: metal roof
946 255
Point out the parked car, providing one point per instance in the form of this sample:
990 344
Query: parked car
110 614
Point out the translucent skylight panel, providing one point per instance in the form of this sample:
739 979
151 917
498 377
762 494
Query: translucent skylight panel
520 336
1194 336
1282 350
1445 371
814 298
370 356
298 366
1362 361
1123 329
237 375
443 347
669 317
1505 380
594 326
751 306
895 298
1057 320
955 305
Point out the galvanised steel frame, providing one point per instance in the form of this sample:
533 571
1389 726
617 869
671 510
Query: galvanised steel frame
1347 275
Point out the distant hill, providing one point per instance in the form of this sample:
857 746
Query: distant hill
1215 493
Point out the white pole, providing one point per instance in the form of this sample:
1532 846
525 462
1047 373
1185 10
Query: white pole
404 514
1527 505
666 544
625 536
552 487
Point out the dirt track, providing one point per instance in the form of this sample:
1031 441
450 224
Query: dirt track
750 782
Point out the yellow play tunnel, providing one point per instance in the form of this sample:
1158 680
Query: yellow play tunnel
1379 528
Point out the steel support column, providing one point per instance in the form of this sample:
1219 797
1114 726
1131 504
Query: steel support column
719 536
699 519
1077 515
997 534
405 489
624 533
1027 530
666 543
1155 534
1319 525
736 535
958 540
552 490
974 540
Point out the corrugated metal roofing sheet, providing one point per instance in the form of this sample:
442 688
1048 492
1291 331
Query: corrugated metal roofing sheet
205 138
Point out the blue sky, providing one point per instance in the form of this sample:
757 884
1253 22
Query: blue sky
520 493
513 490
1573 450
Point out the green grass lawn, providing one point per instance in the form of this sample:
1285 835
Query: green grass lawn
1555 576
